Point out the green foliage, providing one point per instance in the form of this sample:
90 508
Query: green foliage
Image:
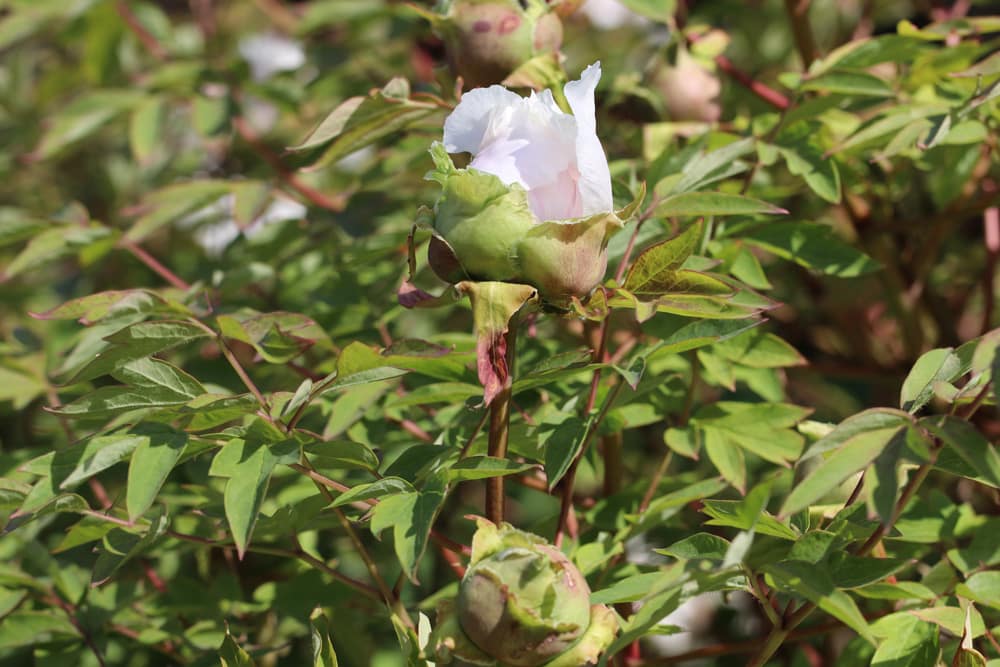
225 436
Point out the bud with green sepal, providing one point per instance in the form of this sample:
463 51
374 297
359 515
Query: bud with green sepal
522 603
486 40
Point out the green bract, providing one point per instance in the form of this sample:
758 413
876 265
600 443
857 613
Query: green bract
493 235
522 603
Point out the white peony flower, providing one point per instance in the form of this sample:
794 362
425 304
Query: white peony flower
267 54
556 157
611 15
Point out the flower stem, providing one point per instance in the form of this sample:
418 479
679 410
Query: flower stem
500 428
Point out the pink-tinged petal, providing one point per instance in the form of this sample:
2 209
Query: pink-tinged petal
559 200
466 128
592 163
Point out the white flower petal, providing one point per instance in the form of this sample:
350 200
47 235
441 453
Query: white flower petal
555 156
269 54
467 125
595 177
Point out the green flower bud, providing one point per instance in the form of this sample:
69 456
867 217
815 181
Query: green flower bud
523 603
488 39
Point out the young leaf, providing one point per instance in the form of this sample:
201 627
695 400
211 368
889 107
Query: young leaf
852 455
411 516
906 641
698 546
137 341
483 467
361 121
972 448
666 256
815 585
383 488
940 365
322 647
153 459
231 655
813 246
84 116
688 204
562 446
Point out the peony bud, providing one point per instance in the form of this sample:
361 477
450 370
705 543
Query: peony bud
534 206
488 39
522 603
689 90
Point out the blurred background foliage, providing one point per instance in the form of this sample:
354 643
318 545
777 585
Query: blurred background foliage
145 147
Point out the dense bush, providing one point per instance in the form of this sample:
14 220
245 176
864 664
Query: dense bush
243 417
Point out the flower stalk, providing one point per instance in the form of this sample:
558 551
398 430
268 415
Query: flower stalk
500 428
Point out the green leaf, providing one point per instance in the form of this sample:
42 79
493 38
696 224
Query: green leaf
411 516
109 401
982 587
691 335
848 82
813 246
953 619
68 467
387 486
940 365
805 157
146 127
361 121
728 460
322 647
483 467
562 446
903 590
137 341
850 571
863 53
55 243
655 10
814 584
758 349
851 455
689 204
277 337
120 546
764 429
342 454
211 410
698 546
84 116
971 446
173 202
908 642
248 463
683 441
740 514
160 377
666 256
631 589
95 307
152 460
24 628
231 655
712 166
